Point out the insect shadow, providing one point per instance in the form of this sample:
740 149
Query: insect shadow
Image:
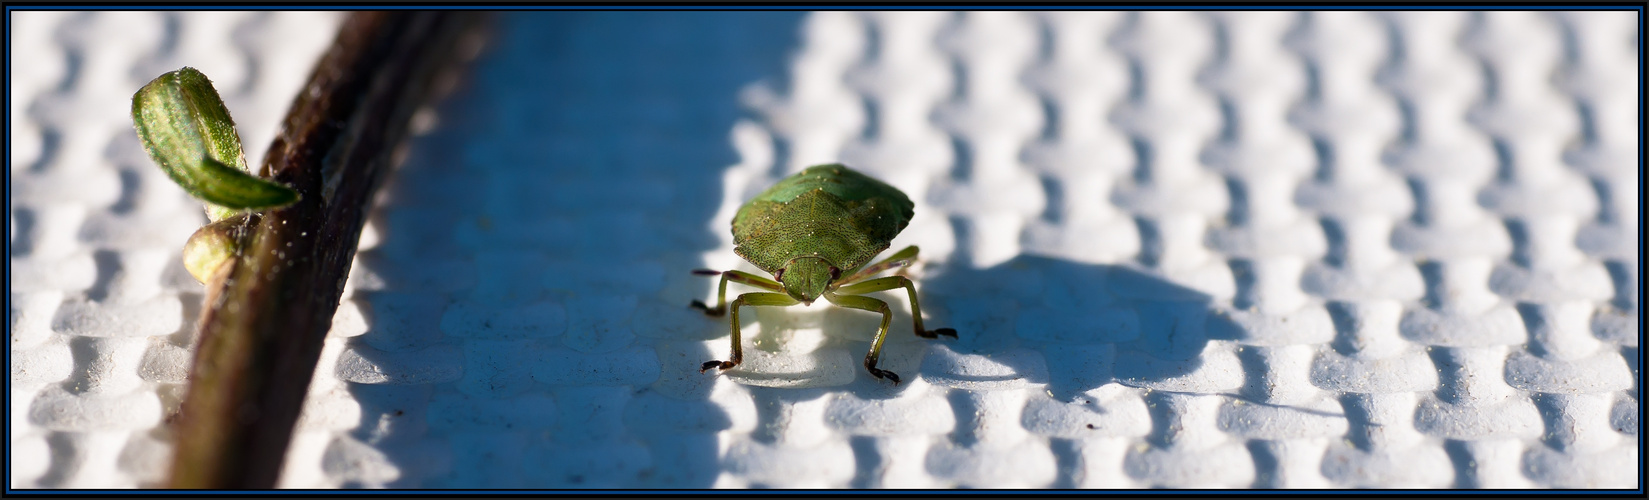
1088 324
1074 326
1031 320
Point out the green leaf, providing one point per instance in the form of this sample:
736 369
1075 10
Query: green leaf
188 132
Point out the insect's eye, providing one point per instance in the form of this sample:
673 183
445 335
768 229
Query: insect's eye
779 276
835 274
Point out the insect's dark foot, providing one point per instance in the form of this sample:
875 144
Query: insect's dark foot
880 373
725 365
706 272
935 333
715 312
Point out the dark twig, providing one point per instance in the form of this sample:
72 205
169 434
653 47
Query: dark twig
265 320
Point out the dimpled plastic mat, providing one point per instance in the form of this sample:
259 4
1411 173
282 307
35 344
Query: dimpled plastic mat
1180 249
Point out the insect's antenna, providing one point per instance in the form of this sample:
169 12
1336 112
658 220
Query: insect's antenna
705 272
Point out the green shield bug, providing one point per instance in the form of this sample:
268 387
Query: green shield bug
814 232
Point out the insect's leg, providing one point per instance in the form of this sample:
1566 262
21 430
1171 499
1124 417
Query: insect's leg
900 258
749 299
721 292
892 282
873 305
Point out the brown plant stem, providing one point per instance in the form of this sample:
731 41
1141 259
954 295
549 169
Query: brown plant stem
267 315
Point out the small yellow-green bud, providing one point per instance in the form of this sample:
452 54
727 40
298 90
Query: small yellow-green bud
213 246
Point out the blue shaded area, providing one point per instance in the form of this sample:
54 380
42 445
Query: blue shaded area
576 170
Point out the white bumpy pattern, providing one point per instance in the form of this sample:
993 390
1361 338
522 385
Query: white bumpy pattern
1181 249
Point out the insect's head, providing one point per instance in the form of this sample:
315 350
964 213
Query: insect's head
806 278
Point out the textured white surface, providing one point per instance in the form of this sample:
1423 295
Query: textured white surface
1186 249
102 311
